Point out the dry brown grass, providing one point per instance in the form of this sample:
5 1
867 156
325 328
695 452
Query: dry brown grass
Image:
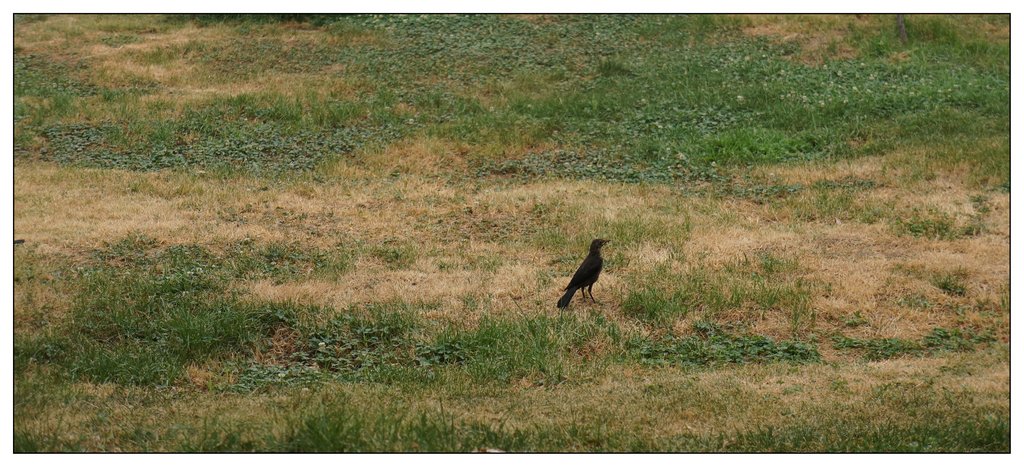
41 293
425 156
853 267
859 261
182 81
820 37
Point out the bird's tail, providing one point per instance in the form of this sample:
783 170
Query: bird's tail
564 301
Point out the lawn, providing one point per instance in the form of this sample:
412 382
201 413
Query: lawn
348 233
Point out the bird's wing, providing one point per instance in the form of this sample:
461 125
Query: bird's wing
590 266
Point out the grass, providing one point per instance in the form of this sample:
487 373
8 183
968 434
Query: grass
337 417
938 340
659 128
347 233
712 346
951 283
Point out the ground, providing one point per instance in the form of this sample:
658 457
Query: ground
317 233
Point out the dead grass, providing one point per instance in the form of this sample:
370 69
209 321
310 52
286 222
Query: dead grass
867 168
181 81
426 156
41 295
820 37
463 238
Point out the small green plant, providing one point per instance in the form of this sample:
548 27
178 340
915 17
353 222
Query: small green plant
918 301
354 345
262 377
839 385
981 204
938 340
976 225
855 320
711 346
848 183
772 265
955 340
931 224
878 349
394 255
952 283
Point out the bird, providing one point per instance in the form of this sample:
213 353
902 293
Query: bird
586 275
19 241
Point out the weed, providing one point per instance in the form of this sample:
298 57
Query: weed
711 346
952 283
350 344
939 339
931 224
855 320
916 301
396 256
955 340
878 349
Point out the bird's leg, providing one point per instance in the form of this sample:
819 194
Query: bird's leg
590 289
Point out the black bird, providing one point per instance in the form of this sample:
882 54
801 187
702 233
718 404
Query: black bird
586 275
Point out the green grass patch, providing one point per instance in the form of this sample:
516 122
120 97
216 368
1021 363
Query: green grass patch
764 283
960 434
711 346
952 283
695 94
253 148
931 224
938 340
390 345
652 306
119 40
144 330
338 426
36 76
243 259
142 313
